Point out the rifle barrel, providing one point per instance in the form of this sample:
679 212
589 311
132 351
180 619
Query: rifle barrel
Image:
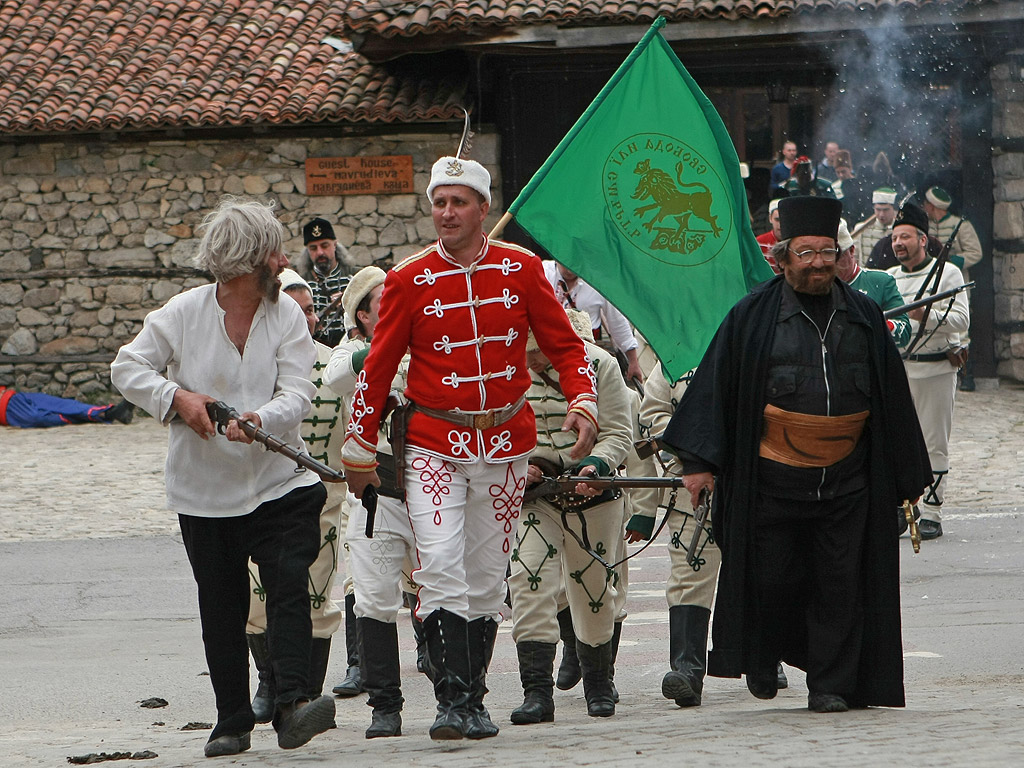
891 313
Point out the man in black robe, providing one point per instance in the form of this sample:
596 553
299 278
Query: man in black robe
801 418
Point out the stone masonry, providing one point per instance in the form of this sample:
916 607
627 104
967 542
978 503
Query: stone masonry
1008 218
93 236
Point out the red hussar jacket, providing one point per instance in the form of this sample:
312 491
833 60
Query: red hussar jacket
466 329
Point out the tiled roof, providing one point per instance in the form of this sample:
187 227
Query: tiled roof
90 65
388 18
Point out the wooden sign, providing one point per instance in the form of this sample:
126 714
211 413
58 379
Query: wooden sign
381 175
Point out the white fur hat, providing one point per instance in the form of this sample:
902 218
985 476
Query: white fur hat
290 278
362 282
844 238
448 171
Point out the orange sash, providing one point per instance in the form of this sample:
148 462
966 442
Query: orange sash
802 440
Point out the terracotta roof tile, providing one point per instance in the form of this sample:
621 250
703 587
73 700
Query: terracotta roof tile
74 65
391 18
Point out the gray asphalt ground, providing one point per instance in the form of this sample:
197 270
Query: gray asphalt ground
98 612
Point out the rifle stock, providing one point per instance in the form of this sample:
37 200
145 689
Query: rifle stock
222 414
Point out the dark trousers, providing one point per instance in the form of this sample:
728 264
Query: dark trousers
282 537
808 559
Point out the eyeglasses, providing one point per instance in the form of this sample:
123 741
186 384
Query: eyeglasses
828 255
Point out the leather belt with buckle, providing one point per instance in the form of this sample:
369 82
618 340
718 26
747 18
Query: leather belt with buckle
481 421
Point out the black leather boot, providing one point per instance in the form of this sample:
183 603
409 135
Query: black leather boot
616 636
382 677
688 654
447 637
569 669
595 664
263 701
352 685
319 656
422 658
536 661
482 633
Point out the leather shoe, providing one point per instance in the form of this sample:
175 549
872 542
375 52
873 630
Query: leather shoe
384 724
352 685
299 722
123 412
929 529
826 702
228 744
783 680
763 686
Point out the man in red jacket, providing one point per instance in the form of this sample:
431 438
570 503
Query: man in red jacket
463 307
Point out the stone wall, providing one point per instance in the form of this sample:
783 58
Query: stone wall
95 235
1008 217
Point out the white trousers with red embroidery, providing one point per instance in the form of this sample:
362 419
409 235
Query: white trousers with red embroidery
464 519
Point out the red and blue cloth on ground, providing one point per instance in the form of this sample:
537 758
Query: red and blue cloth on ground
34 409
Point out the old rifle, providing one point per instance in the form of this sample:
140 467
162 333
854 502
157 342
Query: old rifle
567 484
891 313
700 520
222 414
934 276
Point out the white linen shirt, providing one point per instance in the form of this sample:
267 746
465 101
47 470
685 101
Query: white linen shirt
602 312
185 344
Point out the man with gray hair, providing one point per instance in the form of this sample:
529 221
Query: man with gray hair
234 341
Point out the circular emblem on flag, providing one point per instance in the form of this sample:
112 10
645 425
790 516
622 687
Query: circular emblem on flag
667 200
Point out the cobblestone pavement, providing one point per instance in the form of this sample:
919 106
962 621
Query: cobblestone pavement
99 613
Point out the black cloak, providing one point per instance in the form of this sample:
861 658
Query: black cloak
719 420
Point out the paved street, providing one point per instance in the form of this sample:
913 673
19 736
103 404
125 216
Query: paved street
98 613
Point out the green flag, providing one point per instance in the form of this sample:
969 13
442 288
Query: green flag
643 199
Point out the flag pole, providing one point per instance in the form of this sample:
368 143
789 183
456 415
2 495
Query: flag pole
535 181
500 226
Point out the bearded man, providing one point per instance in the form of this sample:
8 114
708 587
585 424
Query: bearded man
799 417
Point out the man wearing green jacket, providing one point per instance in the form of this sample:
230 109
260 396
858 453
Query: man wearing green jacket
875 284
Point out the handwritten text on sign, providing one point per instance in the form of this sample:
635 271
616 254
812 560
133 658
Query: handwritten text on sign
382 175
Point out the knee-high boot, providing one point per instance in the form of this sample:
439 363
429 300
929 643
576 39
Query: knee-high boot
266 692
422 659
319 656
595 664
616 636
352 685
447 637
688 654
569 668
536 661
382 677
482 633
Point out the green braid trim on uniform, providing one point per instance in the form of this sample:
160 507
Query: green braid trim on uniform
641 524
358 358
259 590
681 537
596 602
595 461
529 526
318 594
